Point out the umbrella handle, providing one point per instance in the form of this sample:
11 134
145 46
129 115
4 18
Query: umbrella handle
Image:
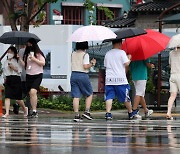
3 56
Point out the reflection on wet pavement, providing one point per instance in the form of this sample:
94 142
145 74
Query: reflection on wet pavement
56 135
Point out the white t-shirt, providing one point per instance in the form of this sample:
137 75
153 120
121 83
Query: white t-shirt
7 71
115 69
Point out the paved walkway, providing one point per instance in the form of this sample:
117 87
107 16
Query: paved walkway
55 132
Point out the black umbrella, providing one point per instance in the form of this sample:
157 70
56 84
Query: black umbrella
17 37
127 33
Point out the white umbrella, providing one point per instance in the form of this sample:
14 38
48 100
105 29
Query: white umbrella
174 41
91 33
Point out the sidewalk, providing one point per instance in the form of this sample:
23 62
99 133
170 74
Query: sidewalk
117 114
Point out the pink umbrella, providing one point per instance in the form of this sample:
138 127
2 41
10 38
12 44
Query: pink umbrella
91 33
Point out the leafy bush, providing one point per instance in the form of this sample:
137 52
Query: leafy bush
64 103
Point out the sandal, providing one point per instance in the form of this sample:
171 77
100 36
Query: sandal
169 117
5 116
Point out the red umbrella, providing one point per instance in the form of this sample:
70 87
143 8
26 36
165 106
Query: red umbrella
144 46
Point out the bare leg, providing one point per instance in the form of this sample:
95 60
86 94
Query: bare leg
128 106
136 102
33 98
143 103
7 106
76 105
108 105
88 102
170 102
25 109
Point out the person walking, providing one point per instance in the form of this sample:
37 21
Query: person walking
139 74
23 81
33 61
116 63
12 71
80 82
174 62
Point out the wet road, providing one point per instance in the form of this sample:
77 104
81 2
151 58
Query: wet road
62 136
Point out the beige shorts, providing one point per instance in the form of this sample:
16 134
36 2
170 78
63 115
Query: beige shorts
174 82
140 87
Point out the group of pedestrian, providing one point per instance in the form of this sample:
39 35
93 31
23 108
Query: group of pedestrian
116 62
23 74
32 62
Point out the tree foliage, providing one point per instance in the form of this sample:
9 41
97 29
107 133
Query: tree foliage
25 12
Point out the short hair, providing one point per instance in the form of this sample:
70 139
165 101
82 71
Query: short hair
82 45
116 41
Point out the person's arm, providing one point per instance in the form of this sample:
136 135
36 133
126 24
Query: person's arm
86 63
127 63
21 61
12 67
40 61
148 63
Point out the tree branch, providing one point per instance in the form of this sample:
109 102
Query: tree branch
37 12
6 6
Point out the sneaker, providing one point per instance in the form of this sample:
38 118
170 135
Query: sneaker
134 114
108 116
5 116
148 113
137 116
131 115
77 118
34 115
16 108
87 115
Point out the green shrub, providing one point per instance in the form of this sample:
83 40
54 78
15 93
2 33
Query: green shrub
64 103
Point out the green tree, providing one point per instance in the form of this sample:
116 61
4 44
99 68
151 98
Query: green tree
24 12
90 6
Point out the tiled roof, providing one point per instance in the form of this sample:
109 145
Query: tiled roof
99 50
120 22
154 6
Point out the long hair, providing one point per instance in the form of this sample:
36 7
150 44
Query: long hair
14 50
35 48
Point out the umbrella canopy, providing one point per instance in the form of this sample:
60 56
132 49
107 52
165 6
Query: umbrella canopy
145 46
91 33
174 41
127 33
17 37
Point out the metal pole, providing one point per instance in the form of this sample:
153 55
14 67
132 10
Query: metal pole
159 72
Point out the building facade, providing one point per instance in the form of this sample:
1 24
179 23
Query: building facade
75 13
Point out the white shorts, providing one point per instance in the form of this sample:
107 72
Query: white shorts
174 82
140 87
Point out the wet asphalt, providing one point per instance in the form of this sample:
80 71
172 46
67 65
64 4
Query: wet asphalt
56 133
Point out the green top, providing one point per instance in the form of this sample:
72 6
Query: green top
139 69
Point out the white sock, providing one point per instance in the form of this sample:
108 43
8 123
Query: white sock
34 110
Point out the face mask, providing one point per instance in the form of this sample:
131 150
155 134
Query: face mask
10 55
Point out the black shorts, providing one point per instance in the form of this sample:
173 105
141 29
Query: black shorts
33 81
13 88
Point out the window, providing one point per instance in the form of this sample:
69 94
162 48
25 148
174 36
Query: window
73 15
101 15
